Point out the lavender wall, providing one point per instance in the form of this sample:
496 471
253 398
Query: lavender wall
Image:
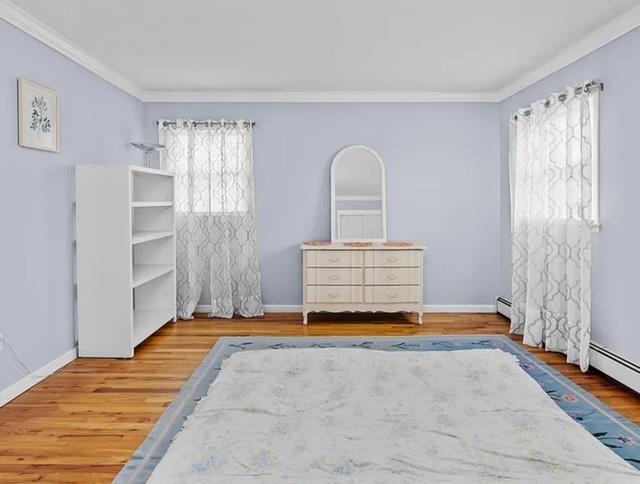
36 258
616 258
447 176
442 165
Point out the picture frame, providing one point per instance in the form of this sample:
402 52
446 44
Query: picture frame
38 117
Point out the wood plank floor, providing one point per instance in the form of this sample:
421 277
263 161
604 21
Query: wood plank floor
83 423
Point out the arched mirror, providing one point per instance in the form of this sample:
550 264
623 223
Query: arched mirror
358 201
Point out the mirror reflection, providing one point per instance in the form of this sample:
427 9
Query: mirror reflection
358 210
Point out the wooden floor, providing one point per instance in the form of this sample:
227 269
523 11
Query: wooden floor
83 423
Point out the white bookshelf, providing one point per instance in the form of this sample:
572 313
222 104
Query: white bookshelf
139 236
126 273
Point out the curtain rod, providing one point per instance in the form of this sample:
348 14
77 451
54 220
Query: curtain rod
206 123
583 88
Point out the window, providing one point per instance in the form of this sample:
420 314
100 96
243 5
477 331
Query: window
554 158
213 167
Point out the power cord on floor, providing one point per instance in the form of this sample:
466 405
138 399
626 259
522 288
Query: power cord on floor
8 346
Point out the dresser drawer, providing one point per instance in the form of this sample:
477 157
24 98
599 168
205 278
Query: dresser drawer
392 258
334 276
402 276
334 258
334 294
392 294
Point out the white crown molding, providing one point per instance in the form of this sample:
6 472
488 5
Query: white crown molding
598 38
590 43
24 21
318 96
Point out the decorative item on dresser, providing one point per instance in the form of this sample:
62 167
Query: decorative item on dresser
370 277
126 257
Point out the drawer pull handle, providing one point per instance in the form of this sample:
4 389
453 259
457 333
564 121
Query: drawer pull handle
392 295
391 277
334 258
334 295
334 277
392 259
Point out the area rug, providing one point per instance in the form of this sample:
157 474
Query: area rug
613 431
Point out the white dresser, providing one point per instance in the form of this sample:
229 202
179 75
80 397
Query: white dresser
377 277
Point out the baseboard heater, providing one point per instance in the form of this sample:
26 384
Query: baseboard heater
503 307
615 366
619 368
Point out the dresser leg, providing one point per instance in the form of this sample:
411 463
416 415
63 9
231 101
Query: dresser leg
420 318
304 318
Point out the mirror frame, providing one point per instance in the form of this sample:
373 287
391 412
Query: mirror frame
336 160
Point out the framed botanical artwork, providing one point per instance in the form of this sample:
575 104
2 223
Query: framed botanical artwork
38 116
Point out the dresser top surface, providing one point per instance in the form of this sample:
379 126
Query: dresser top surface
321 245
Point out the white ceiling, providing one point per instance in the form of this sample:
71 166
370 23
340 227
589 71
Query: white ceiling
327 46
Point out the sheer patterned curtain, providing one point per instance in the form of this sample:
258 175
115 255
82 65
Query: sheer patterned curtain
215 215
553 169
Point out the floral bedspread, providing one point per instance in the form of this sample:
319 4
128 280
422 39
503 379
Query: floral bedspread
343 415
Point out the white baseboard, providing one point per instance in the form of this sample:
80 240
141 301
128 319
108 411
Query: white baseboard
37 376
428 308
617 367
267 308
459 308
282 308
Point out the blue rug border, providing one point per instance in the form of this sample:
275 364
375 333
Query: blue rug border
146 457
